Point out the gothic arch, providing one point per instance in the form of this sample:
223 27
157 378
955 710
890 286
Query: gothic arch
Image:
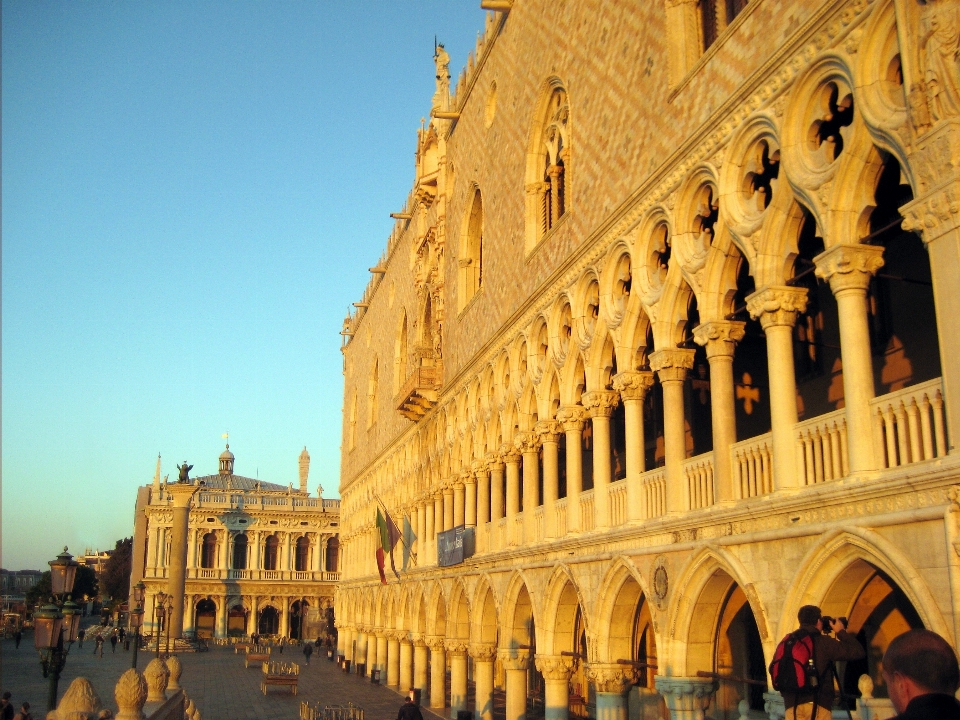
621 590
560 603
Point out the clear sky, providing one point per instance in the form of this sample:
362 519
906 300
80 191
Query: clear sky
192 195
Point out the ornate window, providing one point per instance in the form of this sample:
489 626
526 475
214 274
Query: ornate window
240 552
693 26
715 15
400 353
333 551
271 551
302 558
471 252
352 423
548 165
208 555
373 386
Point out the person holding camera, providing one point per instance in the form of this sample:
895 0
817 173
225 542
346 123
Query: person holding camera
817 703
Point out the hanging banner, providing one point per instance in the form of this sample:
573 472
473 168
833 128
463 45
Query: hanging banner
455 545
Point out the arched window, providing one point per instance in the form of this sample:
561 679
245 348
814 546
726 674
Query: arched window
715 15
240 552
373 386
271 553
400 353
302 559
352 423
333 552
548 172
471 251
208 553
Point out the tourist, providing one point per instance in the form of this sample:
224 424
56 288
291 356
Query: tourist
826 651
307 652
80 636
113 640
98 646
6 708
17 637
409 709
922 675
24 713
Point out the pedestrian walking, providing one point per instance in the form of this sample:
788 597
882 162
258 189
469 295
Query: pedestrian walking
282 640
6 707
122 634
17 637
307 652
98 647
80 636
24 713
409 709
113 640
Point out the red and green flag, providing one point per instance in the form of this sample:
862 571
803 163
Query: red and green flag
389 535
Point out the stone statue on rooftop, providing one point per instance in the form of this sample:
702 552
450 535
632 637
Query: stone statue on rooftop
184 472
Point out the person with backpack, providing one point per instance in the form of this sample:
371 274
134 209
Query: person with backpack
803 665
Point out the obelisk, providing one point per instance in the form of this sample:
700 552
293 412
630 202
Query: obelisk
181 492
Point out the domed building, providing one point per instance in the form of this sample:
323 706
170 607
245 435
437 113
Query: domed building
658 351
261 557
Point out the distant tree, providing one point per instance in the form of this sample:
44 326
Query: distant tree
115 576
84 584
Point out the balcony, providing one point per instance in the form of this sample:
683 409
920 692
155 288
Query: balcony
420 392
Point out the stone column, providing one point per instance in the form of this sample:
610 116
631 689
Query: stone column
849 269
382 656
777 309
177 579
459 504
526 443
222 611
192 552
438 672
571 419
633 387
687 698
515 663
371 652
429 554
439 518
511 458
252 615
255 565
448 518
497 469
457 650
152 545
611 683
600 404
285 616
400 668
482 472
420 665
483 655
671 367
470 498
548 434
720 338
933 215
556 670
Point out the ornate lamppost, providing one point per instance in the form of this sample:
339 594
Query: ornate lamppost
57 623
136 618
160 611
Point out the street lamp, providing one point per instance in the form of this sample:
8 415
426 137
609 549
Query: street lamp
164 610
57 622
159 613
136 618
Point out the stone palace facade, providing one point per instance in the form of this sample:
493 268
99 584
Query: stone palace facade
667 321
260 557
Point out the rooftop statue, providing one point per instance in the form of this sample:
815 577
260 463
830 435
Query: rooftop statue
184 472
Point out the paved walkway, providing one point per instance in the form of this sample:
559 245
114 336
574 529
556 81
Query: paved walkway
216 681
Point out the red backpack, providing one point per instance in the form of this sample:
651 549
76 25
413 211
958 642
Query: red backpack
793 669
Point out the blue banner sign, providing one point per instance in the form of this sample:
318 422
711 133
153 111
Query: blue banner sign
455 545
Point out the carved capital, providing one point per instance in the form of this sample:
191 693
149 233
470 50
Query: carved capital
131 695
483 652
672 364
611 678
526 442
933 215
509 454
157 676
481 468
571 417
515 659
418 639
600 403
494 461
719 336
547 430
555 667
456 647
849 267
436 643
684 696
776 305
633 385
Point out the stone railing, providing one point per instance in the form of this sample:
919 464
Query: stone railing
618 502
653 493
753 466
698 472
541 532
908 425
822 448
235 574
561 510
254 501
586 511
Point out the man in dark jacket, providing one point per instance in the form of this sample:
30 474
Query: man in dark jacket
409 709
826 651
922 675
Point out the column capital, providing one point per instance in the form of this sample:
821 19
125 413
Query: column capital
481 467
719 336
515 659
483 651
456 647
777 305
611 677
468 476
435 642
571 417
849 267
633 385
510 454
526 442
600 403
418 639
933 215
494 461
672 364
554 667
547 430
181 493
686 696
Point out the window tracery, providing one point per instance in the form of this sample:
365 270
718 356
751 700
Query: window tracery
548 169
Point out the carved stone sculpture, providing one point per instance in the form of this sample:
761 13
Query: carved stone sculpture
131 695
157 675
176 670
80 702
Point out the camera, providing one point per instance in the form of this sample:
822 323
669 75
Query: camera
826 621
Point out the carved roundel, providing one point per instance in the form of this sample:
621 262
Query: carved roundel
661 581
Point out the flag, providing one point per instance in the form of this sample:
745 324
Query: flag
393 535
384 540
408 539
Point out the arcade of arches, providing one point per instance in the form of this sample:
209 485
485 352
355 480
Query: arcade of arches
709 375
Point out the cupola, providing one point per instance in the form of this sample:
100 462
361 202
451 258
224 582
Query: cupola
226 462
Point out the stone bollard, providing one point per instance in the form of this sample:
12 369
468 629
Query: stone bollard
157 675
80 702
131 695
176 670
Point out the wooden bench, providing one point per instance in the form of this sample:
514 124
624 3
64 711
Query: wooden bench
280 673
241 647
257 654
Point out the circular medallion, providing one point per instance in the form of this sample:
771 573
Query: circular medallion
661 582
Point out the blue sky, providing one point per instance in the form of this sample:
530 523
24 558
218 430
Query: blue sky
192 195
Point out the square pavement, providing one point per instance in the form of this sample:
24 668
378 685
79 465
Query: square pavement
216 681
